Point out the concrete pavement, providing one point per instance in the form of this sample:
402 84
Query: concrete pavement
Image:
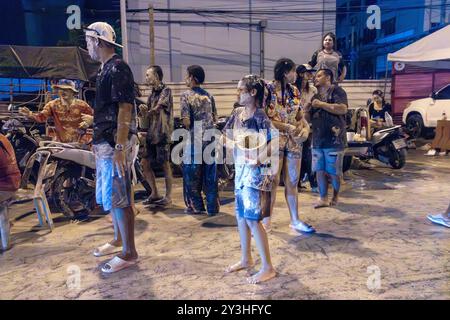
377 244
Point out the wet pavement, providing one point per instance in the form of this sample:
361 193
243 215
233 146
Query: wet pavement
377 244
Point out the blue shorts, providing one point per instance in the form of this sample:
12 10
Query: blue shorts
112 191
248 203
328 160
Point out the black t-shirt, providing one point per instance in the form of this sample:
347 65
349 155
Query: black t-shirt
379 114
329 130
115 84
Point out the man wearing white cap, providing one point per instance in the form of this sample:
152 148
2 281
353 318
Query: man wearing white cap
114 142
66 111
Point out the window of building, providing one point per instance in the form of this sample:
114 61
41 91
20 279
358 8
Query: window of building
369 35
341 15
434 25
341 43
388 26
340 19
355 6
365 69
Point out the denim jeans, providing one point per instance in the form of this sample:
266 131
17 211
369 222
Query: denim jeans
198 178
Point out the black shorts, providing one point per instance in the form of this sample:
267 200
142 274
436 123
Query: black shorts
157 153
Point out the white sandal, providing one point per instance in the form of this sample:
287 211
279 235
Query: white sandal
117 264
106 249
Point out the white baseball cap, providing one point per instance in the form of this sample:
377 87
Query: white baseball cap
103 31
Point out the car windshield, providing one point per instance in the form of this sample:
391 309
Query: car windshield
443 93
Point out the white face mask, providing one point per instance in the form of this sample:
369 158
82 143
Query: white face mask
92 48
245 99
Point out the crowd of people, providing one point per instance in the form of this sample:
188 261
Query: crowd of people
283 108
299 114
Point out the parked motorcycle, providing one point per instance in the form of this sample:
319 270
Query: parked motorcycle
387 145
69 176
225 170
25 142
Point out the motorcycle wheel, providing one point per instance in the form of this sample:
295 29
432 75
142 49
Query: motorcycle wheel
177 170
141 178
397 158
414 126
226 174
67 198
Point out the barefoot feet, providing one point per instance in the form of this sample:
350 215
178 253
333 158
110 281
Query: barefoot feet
262 275
239 266
322 203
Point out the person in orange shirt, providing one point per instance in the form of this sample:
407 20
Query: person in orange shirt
9 183
67 112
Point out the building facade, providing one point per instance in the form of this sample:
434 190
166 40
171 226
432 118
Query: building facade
402 22
227 44
44 22
249 39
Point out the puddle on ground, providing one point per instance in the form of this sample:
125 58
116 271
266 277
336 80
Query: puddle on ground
361 184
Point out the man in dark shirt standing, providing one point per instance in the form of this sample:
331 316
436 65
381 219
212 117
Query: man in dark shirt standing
114 142
327 115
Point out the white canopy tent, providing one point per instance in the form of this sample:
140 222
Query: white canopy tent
432 51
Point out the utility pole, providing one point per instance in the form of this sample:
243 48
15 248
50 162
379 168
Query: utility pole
123 27
262 26
323 18
250 34
352 67
443 12
151 19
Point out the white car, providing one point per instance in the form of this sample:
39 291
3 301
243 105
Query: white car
422 115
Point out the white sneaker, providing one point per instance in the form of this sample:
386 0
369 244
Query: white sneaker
440 219
302 227
431 152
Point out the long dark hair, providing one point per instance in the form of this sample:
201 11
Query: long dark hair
298 83
137 90
332 36
255 82
380 93
282 66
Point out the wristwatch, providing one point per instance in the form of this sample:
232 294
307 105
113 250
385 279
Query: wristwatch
119 147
